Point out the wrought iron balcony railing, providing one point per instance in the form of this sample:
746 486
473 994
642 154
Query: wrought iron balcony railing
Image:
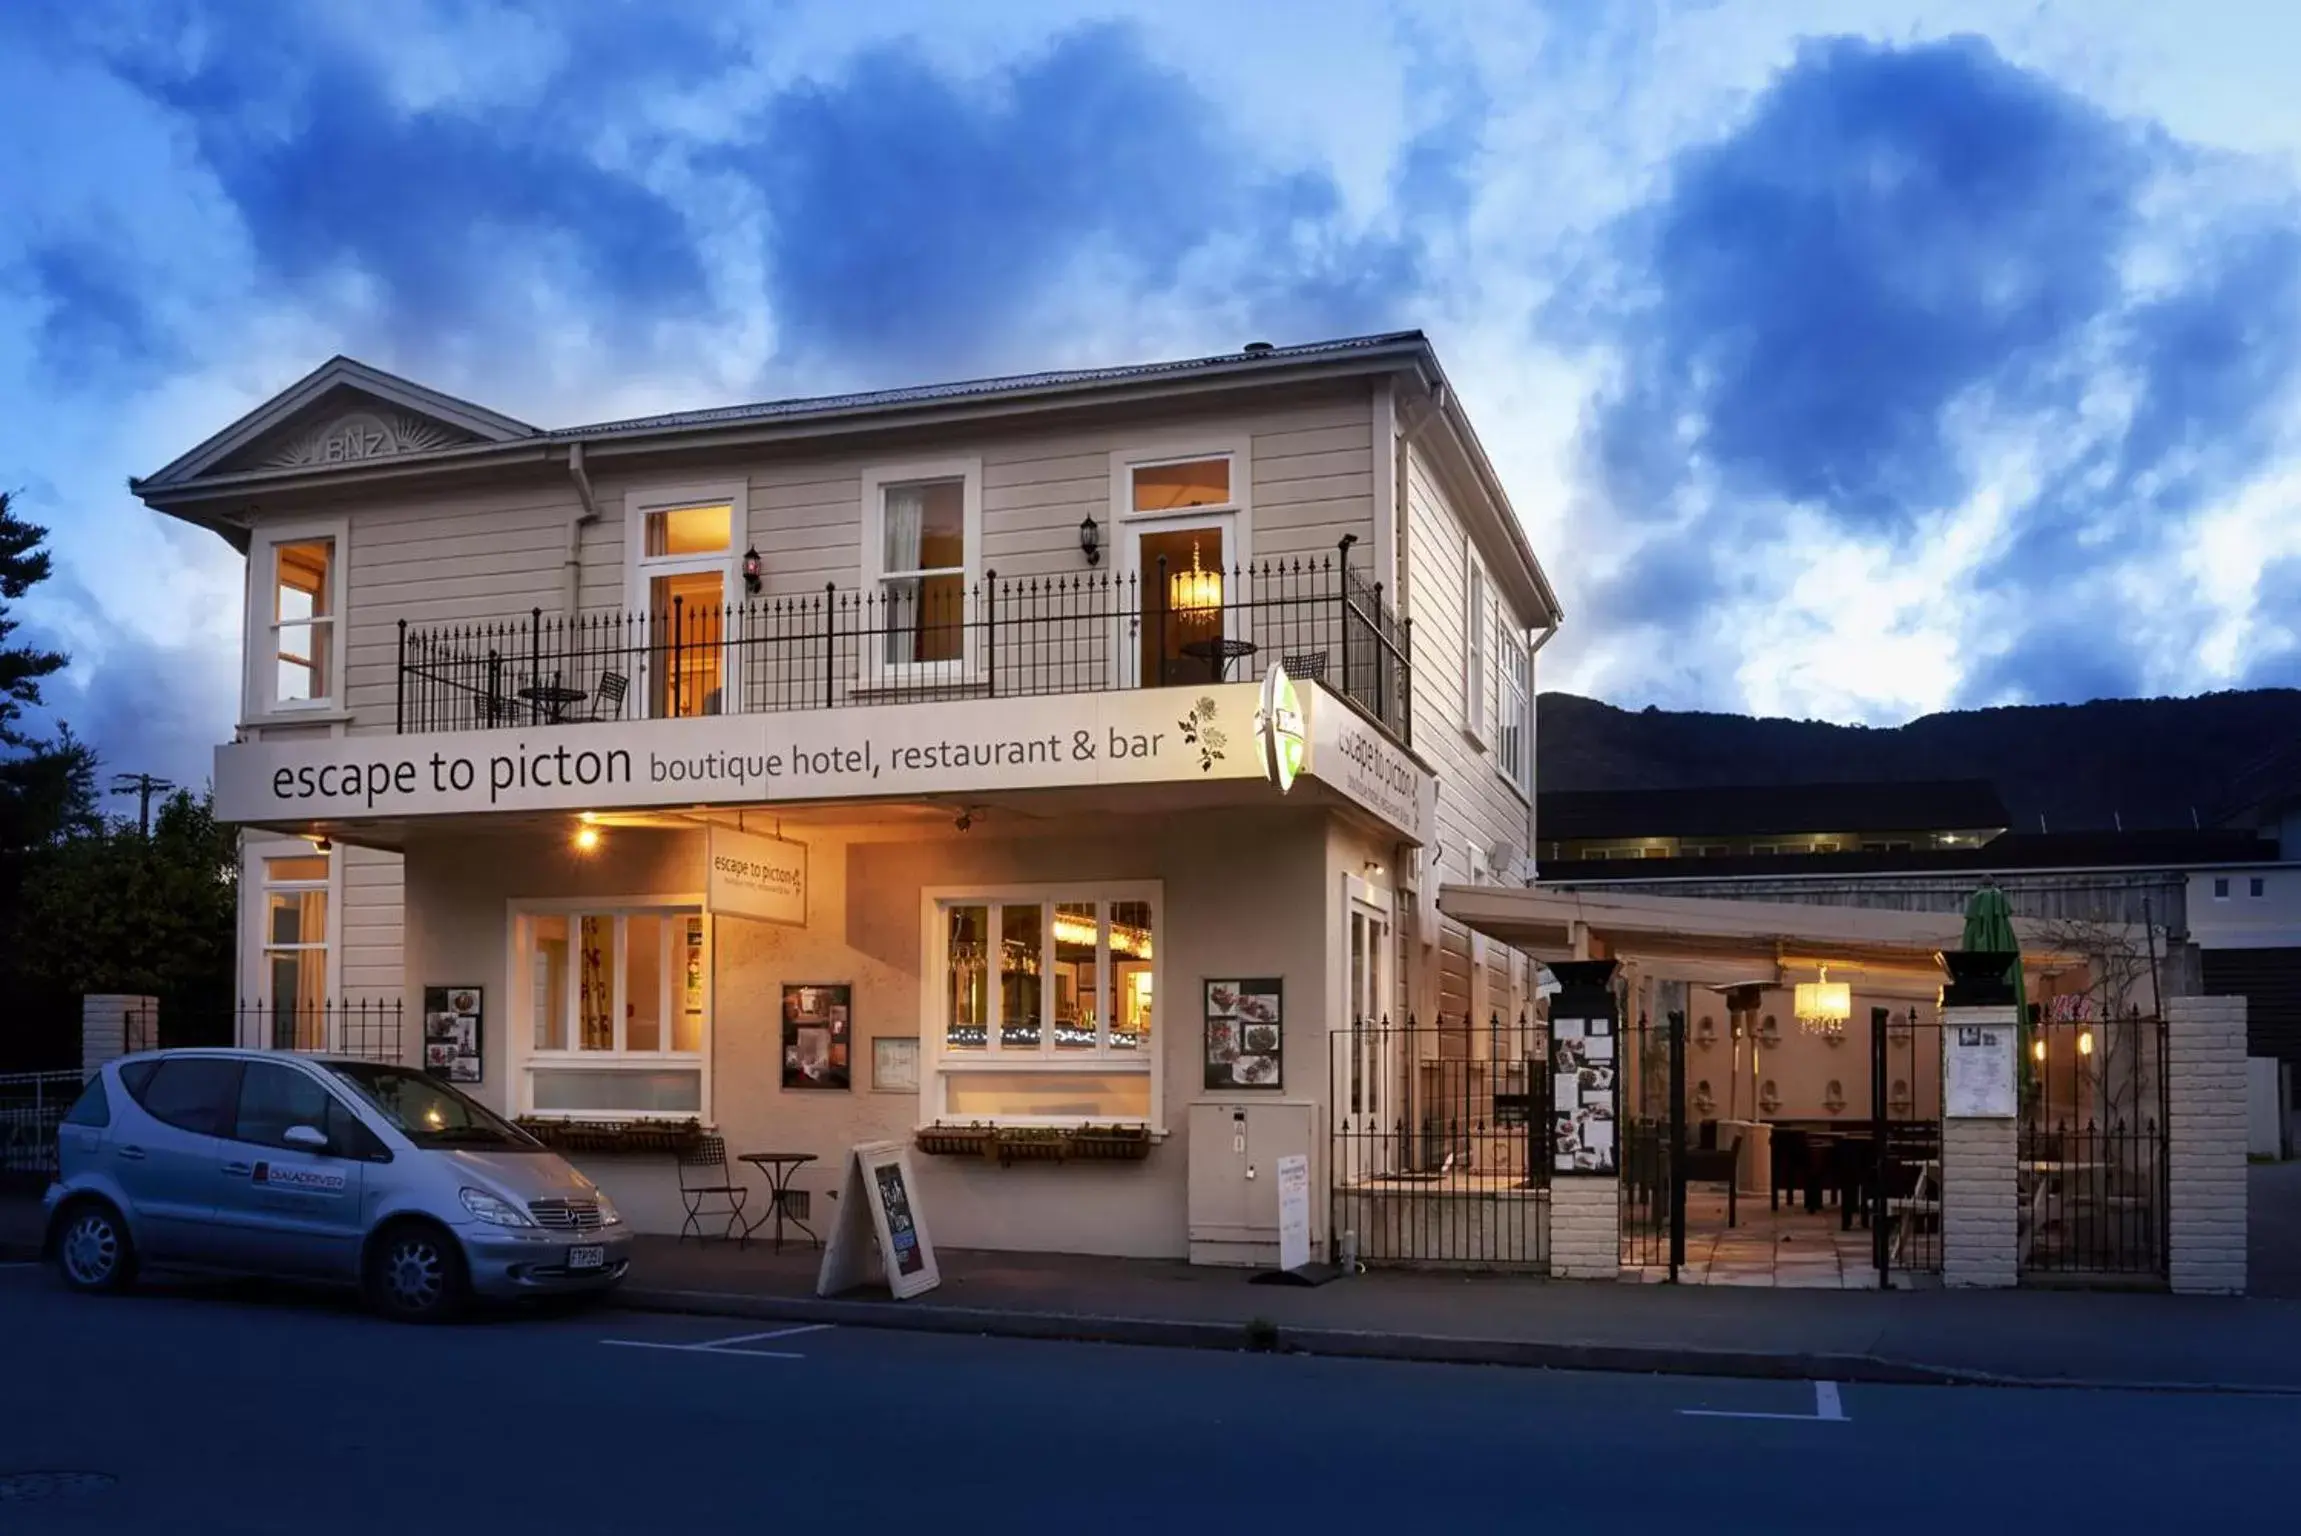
918 639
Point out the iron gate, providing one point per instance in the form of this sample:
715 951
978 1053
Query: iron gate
1902 1182
2093 1152
1650 1109
1436 1144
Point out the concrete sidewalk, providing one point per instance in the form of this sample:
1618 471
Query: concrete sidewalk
2012 1337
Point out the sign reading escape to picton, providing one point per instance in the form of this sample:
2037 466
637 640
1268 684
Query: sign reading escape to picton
1142 736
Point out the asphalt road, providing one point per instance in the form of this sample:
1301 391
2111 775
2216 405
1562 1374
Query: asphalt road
230 1409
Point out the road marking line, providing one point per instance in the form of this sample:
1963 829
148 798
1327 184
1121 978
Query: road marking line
775 1333
1829 1408
703 1349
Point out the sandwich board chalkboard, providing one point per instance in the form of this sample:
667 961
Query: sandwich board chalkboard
878 1208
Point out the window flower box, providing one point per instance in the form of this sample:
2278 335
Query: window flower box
596 1136
1008 1145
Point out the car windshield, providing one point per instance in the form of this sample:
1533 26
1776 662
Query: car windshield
430 1113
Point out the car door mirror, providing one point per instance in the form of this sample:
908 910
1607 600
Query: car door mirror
305 1138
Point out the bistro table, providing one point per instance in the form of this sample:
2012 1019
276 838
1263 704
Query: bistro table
552 699
779 1168
1219 652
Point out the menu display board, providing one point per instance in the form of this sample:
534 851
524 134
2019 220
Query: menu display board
453 1032
818 1035
1978 1071
1246 1033
1582 1070
879 1208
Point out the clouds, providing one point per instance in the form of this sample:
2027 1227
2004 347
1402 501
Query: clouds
1844 374
1911 279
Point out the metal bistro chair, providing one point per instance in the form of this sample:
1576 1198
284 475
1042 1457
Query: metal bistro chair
1307 666
607 702
702 1175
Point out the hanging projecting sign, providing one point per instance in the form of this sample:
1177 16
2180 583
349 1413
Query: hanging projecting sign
1278 728
764 878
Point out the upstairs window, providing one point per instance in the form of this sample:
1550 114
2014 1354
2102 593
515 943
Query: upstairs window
1182 487
685 579
1514 711
923 549
1475 626
295 639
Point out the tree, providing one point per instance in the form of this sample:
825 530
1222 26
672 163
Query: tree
23 566
110 911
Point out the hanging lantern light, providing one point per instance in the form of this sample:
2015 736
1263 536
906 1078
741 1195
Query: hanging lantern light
1195 590
1823 1005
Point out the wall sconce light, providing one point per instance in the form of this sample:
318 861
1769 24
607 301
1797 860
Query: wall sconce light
320 843
1091 539
586 839
2085 1042
751 570
2037 1049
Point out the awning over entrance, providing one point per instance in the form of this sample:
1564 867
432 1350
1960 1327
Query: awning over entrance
1697 930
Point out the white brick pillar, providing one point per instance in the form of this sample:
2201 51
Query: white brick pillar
1585 1228
113 1024
1981 1197
2205 1125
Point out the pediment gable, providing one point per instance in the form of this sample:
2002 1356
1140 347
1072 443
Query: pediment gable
343 413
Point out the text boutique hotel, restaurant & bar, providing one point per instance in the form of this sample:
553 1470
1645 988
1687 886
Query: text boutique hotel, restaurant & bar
1054 774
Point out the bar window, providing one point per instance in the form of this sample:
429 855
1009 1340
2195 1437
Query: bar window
620 1007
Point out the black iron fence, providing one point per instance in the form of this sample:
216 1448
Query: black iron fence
1654 1162
1902 1176
32 1105
372 1029
919 639
2093 1151
1437 1144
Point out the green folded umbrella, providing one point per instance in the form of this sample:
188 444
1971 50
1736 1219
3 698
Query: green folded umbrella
1988 930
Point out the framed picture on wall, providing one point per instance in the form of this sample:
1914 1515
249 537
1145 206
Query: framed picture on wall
1245 1033
453 1032
895 1064
818 1035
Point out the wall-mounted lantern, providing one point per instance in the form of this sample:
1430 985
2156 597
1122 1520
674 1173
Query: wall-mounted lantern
751 570
1091 539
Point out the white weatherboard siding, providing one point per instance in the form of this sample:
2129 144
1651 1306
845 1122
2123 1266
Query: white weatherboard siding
495 554
1477 806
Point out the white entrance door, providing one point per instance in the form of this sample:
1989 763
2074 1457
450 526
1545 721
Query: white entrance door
1186 620
1366 1085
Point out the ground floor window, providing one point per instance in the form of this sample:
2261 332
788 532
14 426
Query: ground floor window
294 930
615 1011
1046 1002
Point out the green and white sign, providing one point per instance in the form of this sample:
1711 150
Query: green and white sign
1278 728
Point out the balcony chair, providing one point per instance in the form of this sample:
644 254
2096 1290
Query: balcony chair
607 699
1308 666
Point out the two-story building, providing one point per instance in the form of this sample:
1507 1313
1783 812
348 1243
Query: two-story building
1076 754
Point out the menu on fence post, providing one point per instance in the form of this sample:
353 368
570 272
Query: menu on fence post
878 1208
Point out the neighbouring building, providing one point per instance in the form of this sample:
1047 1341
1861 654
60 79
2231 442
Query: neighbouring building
903 765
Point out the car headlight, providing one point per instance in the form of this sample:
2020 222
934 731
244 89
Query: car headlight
609 1216
494 1210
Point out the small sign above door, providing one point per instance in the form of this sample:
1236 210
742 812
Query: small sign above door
764 878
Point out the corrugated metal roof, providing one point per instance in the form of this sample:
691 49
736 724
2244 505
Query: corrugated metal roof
1760 809
1012 384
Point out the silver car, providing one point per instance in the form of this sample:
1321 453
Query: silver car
320 1168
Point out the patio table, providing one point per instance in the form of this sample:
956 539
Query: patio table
779 1167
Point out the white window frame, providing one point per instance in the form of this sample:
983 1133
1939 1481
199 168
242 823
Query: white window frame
641 569
1477 620
255 909
2220 887
519 1022
941 1063
877 670
1186 448
1514 707
260 685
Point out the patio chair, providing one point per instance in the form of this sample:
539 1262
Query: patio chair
607 699
706 1188
1906 1211
1709 1163
1307 666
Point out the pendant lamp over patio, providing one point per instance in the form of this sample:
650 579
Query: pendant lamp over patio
1823 1006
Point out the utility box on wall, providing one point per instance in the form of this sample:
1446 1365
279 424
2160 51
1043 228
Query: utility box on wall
1234 1153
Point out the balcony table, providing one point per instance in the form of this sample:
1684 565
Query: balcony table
779 1167
1219 653
552 700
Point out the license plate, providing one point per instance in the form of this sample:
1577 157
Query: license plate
587 1258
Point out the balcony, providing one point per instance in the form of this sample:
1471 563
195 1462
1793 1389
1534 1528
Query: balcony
920 640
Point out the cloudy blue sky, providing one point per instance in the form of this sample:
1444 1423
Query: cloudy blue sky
1845 358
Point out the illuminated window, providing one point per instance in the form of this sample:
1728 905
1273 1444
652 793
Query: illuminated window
685 576
293 977
295 619
618 1011
1048 1003
1179 487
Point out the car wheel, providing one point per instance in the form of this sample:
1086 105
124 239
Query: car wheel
416 1273
93 1250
